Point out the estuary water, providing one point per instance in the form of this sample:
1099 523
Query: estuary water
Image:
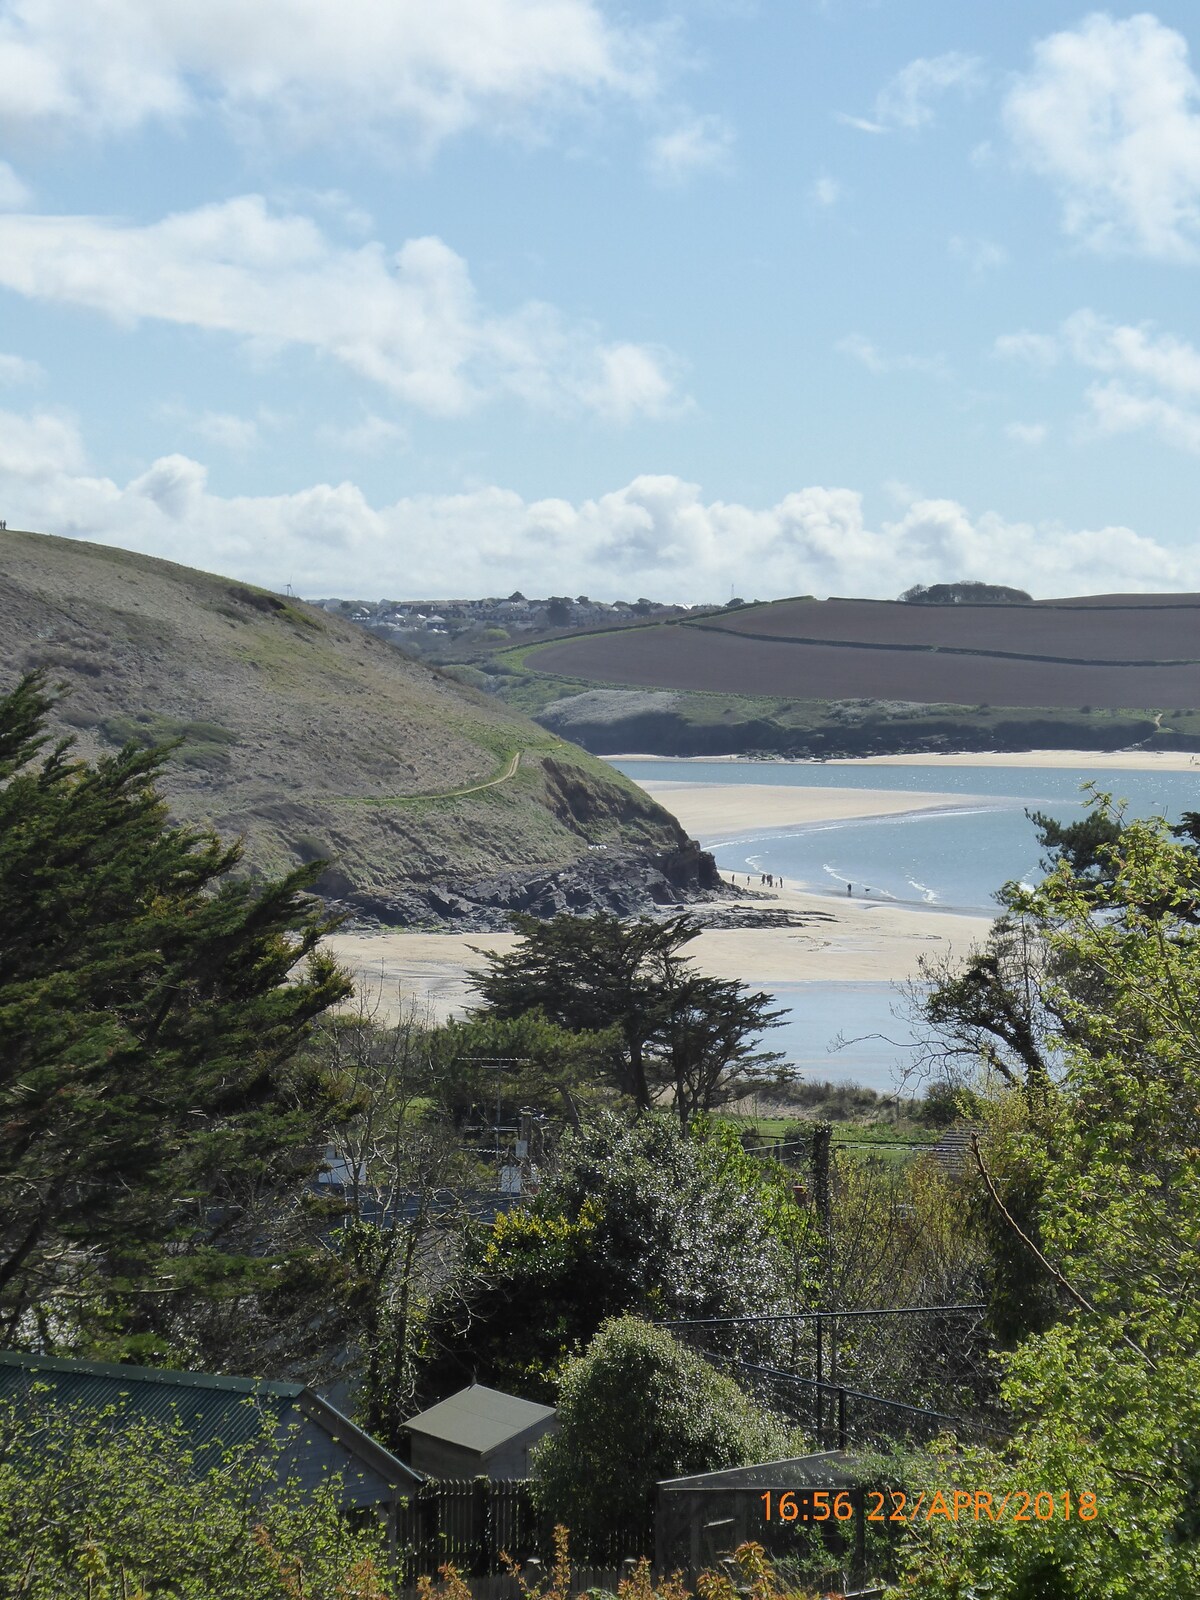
952 858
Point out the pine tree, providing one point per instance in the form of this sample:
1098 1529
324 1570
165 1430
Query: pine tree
682 1033
155 1120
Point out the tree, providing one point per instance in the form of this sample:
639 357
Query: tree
681 1032
636 1219
157 1127
525 1060
1107 1397
399 1171
964 592
636 1408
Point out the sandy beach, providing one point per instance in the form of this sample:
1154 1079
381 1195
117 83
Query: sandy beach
860 942
1102 760
710 809
847 941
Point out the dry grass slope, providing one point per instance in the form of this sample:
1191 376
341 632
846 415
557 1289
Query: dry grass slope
300 732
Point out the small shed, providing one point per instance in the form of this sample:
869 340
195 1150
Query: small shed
478 1432
699 1520
213 1412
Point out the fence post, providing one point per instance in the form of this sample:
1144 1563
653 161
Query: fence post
818 1392
480 1491
841 1419
429 1526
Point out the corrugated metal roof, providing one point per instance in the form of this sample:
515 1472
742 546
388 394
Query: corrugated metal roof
229 1411
211 1412
480 1419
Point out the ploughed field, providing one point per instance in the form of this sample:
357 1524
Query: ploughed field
1108 650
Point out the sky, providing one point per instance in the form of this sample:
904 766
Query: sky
681 299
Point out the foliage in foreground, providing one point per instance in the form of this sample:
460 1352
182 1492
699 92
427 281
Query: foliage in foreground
747 1575
157 1129
98 1508
637 1408
1107 1396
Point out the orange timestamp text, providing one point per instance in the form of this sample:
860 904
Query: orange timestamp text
954 1505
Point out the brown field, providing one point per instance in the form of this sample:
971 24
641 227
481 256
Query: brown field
1142 635
1112 651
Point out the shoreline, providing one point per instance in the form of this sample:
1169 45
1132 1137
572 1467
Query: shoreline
846 942
1101 760
843 940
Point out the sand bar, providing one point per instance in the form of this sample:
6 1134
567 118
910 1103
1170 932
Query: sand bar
709 810
1101 760
861 942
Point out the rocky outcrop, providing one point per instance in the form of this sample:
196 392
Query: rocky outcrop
623 883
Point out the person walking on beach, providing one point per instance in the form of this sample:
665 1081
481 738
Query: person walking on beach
849 888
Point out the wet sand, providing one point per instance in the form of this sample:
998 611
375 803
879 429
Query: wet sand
847 941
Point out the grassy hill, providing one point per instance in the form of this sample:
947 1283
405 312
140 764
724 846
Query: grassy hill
819 677
306 735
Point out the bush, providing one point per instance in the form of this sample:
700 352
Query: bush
636 1408
97 1507
637 1220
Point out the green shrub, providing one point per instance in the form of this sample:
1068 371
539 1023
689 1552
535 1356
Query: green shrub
636 1408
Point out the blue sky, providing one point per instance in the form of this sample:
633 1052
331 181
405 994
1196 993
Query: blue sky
380 297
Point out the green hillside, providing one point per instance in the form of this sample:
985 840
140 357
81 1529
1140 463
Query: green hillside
304 734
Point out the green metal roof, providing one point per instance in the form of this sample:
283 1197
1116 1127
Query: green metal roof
211 1412
229 1411
479 1419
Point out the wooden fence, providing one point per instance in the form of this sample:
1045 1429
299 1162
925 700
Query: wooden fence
474 1523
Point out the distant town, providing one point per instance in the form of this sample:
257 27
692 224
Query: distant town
423 625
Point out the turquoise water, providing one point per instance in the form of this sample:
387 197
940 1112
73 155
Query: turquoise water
953 859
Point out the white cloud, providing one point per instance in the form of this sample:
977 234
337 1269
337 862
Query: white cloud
981 255
1036 349
35 447
697 145
228 432
826 191
1030 433
1110 113
657 535
368 437
410 322
13 193
1161 359
1140 362
1113 408
16 369
309 68
907 100
861 349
